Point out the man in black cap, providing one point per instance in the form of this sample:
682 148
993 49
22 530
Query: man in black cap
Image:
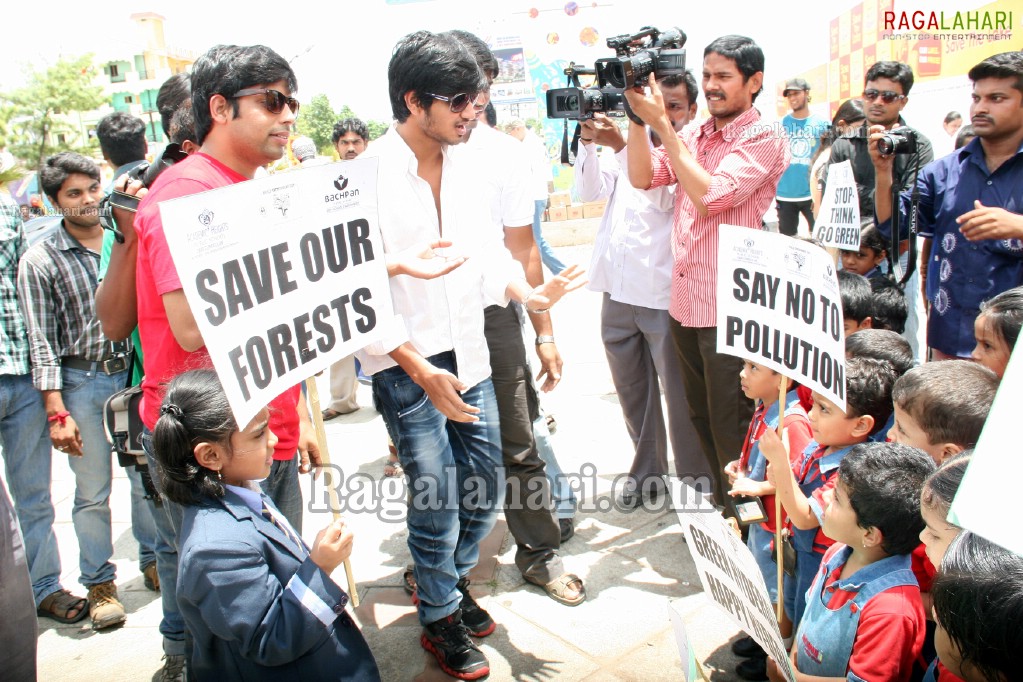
804 131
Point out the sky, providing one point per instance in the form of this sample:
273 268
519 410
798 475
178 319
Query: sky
344 54
343 51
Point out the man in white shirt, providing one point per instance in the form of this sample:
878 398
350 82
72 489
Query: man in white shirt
542 179
632 265
499 160
431 377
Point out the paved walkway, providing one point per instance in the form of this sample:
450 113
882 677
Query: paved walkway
633 563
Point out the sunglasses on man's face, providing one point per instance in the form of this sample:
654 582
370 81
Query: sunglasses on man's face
887 96
274 101
459 102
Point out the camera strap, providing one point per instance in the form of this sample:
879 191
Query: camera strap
895 271
570 150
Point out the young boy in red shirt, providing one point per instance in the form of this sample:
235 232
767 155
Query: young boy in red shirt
864 618
801 487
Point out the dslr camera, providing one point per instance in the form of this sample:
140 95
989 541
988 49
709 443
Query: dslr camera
899 141
147 174
578 103
637 56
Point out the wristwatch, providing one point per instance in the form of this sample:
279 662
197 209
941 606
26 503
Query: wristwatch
540 340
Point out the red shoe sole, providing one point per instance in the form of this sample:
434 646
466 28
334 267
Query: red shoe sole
428 645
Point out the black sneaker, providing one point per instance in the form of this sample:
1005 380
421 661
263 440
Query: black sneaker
753 669
747 647
475 618
449 642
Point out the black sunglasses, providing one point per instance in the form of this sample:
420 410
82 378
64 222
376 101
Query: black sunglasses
274 101
887 96
458 102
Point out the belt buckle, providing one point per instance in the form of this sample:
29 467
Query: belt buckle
116 364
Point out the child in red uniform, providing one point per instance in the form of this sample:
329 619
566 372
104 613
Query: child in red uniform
747 477
864 619
801 487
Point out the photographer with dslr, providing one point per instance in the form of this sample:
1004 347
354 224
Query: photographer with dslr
969 208
885 94
733 182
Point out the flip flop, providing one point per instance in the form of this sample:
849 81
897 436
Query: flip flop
557 589
329 414
63 602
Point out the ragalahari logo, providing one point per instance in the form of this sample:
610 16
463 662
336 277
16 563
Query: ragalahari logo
341 183
206 217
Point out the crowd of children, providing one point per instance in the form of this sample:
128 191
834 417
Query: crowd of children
882 586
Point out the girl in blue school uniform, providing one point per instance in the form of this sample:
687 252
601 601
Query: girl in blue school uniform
864 618
259 603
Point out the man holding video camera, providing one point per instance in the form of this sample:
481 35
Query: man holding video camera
727 171
969 208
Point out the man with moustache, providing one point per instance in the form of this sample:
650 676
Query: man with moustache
971 209
74 366
350 138
726 171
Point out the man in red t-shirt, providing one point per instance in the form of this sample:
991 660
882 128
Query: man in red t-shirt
243 109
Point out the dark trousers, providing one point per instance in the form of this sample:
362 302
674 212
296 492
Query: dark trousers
788 215
528 507
18 624
720 412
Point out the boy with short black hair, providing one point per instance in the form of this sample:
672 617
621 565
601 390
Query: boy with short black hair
941 407
867 259
864 617
890 310
881 344
857 302
802 487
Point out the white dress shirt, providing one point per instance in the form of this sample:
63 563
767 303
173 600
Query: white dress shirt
632 258
445 313
500 162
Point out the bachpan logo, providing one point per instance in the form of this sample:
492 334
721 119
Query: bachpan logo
343 193
206 217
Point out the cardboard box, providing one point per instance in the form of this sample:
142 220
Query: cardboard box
558 213
560 199
575 212
594 209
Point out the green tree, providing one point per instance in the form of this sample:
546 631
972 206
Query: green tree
316 120
46 106
376 128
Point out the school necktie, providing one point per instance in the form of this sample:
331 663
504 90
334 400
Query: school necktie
272 518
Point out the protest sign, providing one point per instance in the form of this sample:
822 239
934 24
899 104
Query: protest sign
996 517
779 306
838 221
692 671
729 573
284 275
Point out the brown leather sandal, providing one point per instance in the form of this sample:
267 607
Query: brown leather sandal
567 589
59 604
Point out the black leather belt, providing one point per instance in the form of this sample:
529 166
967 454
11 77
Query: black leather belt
110 365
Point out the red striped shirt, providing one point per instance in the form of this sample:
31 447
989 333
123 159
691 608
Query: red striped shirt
745 159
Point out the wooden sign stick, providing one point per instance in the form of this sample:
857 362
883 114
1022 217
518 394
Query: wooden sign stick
778 546
328 473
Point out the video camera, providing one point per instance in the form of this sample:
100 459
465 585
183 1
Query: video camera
578 103
147 174
636 56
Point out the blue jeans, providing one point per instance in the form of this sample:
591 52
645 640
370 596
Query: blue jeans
28 458
759 543
142 525
562 493
546 252
167 518
84 393
456 481
282 487
807 564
